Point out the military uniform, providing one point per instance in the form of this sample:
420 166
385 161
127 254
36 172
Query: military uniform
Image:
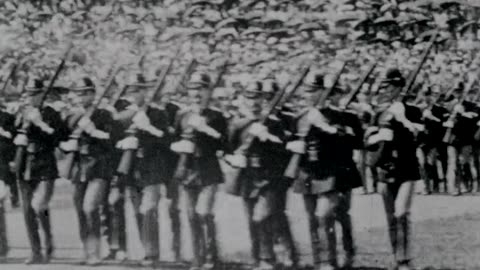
94 169
7 178
203 134
40 132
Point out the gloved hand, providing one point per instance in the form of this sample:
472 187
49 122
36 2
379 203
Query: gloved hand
183 146
260 131
128 143
141 120
459 108
86 124
448 124
384 134
397 109
236 160
21 140
33 115
298 146
114 195
5 133
69 146
197 122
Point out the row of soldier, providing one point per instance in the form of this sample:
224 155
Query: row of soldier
273 140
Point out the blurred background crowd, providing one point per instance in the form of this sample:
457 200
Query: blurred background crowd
262 37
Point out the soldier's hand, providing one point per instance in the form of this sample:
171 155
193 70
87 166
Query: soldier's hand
128 143
448 124
197 122
236 160
33 115
69 146
260 131
86 124
141 120
21 140
298 146
183 146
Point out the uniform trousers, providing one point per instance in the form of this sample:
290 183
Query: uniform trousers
397 198
323 210
200 202
88 197
36 197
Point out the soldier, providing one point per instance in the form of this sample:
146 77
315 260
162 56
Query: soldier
41 129
207 128
325 140
94 165
7 178
261 181
398 166
150 167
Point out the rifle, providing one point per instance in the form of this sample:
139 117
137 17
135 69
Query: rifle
20 162
127 156
232 184
292 168
65 167
181 168
351 96
9 76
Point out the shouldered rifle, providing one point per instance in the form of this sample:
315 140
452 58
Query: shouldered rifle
232 183
9 76
19 162
353 94
292 168
65 167
127 155
181 168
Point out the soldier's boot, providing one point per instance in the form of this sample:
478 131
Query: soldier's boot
255 239
14 193
198 241
267 255
176 233
93 238
117 231
433 179
402 255
44 218
211 254
347 240
314 239
393 234
328 225
33 235
284 235
3 232
150 237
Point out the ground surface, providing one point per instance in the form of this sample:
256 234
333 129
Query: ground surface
446 233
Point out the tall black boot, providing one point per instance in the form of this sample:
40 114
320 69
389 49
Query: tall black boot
211 254
44 218
176 233
3 232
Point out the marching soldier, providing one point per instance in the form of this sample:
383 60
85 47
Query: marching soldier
150 167
203 132
7 178
41 129
325 139
398 166
94 165
261 182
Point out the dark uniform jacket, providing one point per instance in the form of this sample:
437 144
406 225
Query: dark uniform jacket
95 157
434 130
7 148
398 160
41 159
465 128
328 162
203 166
266 161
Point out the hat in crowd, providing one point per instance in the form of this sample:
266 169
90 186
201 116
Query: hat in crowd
314 81
34 86
85 84
253 90
199 80
394 77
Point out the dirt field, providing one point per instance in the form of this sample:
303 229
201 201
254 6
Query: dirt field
445 234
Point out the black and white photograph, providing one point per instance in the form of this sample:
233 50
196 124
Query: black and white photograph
240 134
